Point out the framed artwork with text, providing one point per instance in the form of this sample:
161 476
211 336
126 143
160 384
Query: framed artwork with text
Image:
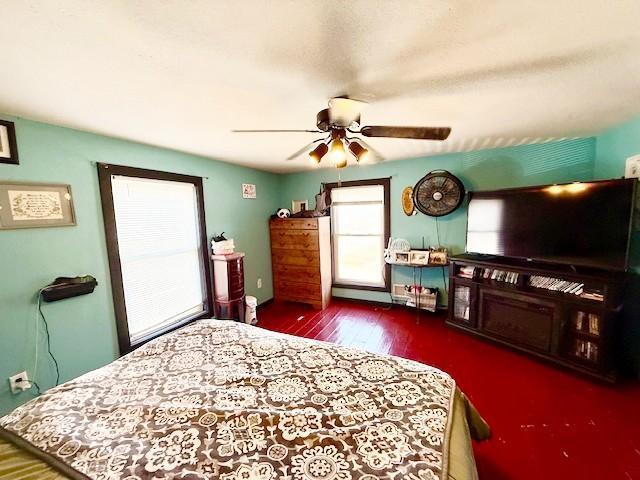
30 205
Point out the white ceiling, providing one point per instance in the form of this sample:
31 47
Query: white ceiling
182 74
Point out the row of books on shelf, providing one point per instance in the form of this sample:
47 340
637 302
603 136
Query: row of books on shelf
488 274
587 322
556 284
585 349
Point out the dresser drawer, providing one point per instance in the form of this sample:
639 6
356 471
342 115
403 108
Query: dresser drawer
307 258
297 239
296 272
294 223
286 289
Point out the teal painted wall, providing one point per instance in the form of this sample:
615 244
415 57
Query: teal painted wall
83 335
556 162
614 146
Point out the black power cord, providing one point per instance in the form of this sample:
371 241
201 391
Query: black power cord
46 329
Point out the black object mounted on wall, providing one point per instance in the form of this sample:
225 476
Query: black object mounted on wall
8 144
438 193
67 287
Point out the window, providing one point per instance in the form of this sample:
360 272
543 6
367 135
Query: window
360 232
156 243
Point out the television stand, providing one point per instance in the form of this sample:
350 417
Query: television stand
562 314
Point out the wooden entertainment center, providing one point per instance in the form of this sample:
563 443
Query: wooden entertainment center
540 309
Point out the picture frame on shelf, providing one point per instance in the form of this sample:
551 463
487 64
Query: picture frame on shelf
400 258
32 205
438 257
419 257
299 206
8 143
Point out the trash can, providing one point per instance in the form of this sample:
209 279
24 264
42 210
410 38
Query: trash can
250 315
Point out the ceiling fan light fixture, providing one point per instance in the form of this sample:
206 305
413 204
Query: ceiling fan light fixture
317 153
338 154
358 151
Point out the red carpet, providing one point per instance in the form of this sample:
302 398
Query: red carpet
546 423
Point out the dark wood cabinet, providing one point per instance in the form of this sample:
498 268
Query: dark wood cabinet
228 286
574 329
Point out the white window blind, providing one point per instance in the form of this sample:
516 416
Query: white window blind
160 253
357 227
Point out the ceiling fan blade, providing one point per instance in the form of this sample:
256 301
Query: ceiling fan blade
277 131
307 147
420 133
344 111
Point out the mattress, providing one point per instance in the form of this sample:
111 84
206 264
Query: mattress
241 402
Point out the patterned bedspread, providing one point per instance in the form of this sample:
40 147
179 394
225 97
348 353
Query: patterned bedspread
219 399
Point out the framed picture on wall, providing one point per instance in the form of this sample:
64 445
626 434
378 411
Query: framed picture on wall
299 205
30 205
8 145
248 190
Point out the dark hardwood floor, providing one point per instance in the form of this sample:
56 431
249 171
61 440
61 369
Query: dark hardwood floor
546 423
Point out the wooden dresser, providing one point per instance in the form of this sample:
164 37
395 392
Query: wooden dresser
228 286
301 260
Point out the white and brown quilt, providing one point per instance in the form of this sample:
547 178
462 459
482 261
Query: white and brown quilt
218 399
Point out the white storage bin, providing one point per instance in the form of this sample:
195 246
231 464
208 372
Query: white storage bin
250 314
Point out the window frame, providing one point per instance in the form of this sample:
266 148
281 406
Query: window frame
105 172
386 184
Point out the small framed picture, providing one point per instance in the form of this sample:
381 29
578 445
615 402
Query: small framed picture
299 206
438 257
30 205
419 257
248 190
400 257
8 144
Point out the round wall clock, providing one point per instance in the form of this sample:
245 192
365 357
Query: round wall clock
438 193
407 201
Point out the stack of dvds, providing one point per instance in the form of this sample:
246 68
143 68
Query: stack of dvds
556 284
588 322
502 276
587 350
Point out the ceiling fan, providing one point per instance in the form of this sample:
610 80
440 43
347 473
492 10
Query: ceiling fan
340 122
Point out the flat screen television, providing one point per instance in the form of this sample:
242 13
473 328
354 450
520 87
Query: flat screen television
581 224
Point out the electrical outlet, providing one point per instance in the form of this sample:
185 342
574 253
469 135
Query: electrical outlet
259 283
19 382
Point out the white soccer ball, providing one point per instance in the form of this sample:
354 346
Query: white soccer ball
283 213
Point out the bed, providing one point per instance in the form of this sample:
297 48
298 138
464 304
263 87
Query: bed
219 399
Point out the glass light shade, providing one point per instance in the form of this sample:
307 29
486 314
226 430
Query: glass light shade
361 153
338 154
317 153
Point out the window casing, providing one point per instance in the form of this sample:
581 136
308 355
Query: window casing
360 221
157 247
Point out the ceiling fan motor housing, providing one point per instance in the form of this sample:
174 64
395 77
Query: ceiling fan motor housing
323 122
